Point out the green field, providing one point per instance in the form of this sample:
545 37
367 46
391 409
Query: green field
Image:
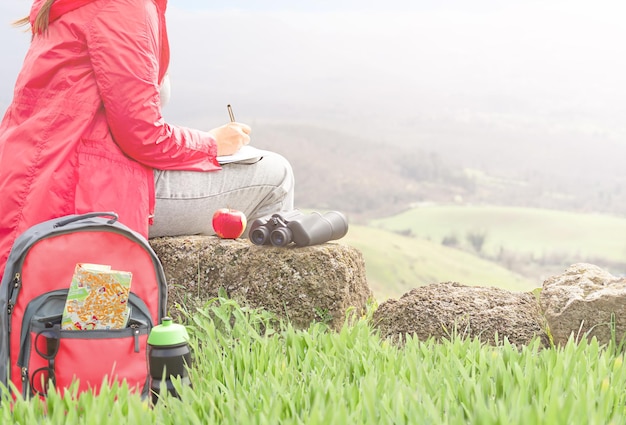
535 231
396 263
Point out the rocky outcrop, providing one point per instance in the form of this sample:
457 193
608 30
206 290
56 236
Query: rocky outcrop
301 284
585 301
326 282
442 309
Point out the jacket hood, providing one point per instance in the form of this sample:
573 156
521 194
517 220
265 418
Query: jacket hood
58 8
61 7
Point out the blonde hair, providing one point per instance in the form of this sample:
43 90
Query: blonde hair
40 26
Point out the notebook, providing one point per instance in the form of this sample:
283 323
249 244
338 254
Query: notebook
245 155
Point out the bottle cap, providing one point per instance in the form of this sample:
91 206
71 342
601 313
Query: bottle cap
168 333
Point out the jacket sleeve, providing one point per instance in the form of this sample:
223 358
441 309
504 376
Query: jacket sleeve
123 42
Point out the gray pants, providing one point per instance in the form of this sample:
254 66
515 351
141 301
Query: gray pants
186 200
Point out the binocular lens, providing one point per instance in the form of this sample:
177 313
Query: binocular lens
259 236
281 236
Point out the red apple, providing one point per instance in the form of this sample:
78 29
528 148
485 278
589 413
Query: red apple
229 223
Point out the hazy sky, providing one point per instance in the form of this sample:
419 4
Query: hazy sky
509 61
537 67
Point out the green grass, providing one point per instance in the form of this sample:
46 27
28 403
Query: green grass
256 372
539 232
395 264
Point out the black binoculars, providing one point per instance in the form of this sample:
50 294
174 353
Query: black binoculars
302 229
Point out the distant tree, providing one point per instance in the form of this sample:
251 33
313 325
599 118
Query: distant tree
477 239
450 240
405 232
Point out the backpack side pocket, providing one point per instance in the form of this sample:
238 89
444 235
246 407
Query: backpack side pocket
91 357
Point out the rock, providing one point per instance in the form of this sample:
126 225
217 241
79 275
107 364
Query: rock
584 300
303 285
435 310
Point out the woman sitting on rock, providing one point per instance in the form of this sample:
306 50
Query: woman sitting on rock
85 132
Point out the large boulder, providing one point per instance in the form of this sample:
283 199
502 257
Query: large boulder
585 301
300 284
441 310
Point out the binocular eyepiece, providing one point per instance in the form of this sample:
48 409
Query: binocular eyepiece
302 229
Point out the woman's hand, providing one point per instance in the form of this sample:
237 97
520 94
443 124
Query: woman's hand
231 137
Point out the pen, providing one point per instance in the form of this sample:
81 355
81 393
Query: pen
230 113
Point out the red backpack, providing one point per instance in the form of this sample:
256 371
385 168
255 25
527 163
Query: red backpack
34 349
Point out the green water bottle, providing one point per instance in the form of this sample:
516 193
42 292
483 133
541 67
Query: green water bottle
169 356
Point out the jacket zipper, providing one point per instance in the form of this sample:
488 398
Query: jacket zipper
17 282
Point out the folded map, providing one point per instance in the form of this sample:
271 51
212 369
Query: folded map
97 298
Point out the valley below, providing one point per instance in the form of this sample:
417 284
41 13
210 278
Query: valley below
420 216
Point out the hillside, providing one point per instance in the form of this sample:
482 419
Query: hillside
395 264
537 232
356 175
370 178
533 243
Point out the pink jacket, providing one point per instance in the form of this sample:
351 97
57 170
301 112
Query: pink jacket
85 131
